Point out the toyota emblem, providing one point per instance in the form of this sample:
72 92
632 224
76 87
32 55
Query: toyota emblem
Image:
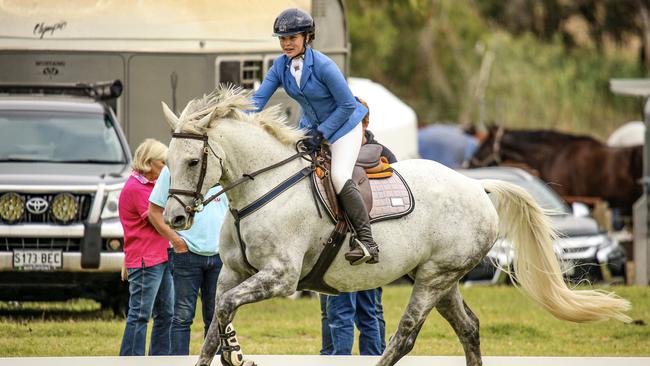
36 205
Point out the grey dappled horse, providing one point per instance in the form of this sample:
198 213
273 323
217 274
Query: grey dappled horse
453 226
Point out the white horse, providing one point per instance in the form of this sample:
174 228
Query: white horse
453 226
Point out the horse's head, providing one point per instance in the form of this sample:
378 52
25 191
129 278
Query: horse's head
209 130
490 151
195 160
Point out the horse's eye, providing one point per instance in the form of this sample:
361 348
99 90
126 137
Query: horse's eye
193 162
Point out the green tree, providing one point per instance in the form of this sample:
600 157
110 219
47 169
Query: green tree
506 61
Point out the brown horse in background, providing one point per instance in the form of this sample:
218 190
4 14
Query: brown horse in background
573 165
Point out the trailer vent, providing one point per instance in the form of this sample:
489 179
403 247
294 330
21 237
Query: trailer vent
245 73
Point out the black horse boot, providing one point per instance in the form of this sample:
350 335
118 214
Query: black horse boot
365 250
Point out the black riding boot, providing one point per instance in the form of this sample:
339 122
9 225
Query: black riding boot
365 250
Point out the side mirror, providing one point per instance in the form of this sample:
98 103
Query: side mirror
580 209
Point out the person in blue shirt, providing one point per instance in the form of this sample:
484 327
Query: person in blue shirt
449 145
195 262
329 113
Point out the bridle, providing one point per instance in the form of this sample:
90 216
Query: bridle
196 194
199 201
495 157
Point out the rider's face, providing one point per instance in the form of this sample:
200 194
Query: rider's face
292 45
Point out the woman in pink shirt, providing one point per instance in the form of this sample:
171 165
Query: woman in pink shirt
146 258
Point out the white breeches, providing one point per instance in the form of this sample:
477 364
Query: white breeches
345 152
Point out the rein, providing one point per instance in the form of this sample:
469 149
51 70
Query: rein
251 176
199 202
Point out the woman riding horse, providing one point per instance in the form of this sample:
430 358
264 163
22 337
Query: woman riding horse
329 112
453 226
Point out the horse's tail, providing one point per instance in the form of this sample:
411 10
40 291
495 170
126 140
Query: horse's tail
536 267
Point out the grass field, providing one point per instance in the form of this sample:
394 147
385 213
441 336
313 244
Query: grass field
510 325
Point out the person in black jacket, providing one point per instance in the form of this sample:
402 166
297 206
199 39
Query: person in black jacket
369 137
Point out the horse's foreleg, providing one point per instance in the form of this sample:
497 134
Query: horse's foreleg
269 282
466 325
228 279
423 298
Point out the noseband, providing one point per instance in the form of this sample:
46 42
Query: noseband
196 194
495 157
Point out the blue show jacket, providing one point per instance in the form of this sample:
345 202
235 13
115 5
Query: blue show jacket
326 100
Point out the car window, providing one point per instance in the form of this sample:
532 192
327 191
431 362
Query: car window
59 137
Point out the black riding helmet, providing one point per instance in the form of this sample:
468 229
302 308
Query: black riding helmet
294 21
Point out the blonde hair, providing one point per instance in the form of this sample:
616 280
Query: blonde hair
148 151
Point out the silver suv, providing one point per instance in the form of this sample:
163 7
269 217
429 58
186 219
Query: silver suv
63 163
586 252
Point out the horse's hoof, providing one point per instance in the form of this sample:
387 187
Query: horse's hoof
226 363
223 361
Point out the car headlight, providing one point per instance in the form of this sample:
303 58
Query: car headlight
64 208
12 207
111 205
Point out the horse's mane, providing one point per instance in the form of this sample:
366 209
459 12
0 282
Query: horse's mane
549 136
228 101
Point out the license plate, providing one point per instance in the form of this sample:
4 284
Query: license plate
38 259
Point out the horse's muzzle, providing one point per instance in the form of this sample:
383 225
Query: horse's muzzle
180 222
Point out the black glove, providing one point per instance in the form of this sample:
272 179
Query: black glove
314 140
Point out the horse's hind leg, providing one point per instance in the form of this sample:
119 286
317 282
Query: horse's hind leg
423 298
466 325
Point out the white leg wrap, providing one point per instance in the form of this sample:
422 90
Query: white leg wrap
232 352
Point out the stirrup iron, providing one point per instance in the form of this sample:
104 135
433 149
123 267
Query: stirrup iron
366 254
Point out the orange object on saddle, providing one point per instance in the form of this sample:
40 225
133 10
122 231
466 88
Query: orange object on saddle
381 170
385 174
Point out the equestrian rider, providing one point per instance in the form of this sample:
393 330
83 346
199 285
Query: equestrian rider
329 113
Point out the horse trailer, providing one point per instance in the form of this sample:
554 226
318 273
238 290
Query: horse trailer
161 51
151 51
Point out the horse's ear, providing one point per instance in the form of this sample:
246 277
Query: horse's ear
205 121
170 116
184 112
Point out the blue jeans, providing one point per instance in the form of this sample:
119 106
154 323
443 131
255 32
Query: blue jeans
380 317
192 272
342 313
151 294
